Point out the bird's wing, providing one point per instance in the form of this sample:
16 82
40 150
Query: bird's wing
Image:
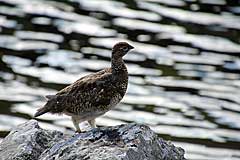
87 82
89 88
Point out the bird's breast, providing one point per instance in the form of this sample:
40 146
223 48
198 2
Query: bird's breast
115 100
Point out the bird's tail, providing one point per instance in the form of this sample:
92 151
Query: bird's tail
41 111
47 107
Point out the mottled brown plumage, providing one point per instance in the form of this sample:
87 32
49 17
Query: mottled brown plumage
94 94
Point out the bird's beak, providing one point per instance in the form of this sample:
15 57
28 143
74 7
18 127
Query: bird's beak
131 47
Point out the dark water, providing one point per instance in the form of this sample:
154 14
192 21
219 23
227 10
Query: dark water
184 71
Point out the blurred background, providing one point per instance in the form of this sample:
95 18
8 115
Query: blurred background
184 72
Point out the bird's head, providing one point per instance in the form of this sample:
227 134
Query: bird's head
120 49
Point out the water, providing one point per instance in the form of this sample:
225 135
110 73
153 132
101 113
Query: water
184 72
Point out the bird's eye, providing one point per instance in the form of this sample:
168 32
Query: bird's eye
125 49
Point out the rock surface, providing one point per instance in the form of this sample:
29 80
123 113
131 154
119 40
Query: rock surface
125 142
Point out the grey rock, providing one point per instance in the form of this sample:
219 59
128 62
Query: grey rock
124 142
27 142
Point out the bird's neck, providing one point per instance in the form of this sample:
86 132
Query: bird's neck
118 66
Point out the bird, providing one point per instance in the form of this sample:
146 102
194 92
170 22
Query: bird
92 95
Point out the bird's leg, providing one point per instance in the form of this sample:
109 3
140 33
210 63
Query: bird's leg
92 123
76 124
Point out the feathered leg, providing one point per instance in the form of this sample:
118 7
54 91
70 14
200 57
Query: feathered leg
92 123
76 124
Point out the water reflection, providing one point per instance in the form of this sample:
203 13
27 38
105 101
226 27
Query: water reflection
184 72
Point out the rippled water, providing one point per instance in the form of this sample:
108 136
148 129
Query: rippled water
184 71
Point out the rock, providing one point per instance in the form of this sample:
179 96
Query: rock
125 142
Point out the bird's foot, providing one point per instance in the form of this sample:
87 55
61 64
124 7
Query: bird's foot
78 131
